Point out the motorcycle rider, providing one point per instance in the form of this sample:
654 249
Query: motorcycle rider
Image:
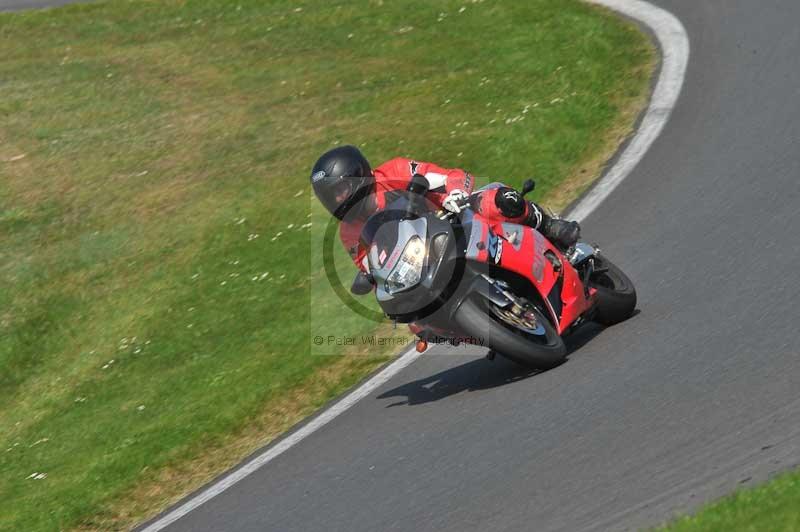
352 191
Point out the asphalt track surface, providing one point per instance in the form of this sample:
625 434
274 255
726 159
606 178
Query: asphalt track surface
16 5
694 397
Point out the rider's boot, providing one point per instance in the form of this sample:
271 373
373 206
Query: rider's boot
563 233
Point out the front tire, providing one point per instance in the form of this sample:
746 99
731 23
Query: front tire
541 351
616 295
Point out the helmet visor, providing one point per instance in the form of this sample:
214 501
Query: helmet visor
342 191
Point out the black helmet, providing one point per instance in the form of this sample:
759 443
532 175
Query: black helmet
342 178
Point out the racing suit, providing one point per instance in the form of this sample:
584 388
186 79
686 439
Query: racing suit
499 204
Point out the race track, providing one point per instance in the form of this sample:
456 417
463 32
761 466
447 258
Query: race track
694 397
17 5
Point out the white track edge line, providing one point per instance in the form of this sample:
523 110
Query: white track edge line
674 44
289 441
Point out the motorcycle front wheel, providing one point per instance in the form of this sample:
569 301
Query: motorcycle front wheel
529 340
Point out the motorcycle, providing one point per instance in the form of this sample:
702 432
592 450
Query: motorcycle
463 278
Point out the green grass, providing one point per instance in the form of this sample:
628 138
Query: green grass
774 506
138 355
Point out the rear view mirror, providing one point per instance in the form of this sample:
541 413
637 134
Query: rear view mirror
362 284
528 186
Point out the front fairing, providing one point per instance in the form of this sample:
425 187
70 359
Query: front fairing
387 242
474 245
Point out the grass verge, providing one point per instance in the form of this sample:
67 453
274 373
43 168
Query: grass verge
154 210
774 506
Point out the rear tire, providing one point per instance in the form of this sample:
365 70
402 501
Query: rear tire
474 318
616 295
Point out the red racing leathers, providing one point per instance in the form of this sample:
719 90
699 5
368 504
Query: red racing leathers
396 174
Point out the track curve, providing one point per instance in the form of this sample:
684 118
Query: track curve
687 401
693 397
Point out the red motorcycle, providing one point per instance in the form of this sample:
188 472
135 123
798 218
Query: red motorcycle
462 278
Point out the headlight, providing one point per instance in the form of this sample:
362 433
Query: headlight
408 270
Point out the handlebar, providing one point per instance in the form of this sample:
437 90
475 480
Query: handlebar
444 214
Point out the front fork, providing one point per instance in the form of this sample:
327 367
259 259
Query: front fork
493 290
582 257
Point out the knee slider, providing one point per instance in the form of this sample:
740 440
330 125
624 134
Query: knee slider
509 202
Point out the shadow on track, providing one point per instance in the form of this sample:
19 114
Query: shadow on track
478 374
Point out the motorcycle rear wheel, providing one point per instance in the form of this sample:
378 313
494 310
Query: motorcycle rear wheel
616 295
540 348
